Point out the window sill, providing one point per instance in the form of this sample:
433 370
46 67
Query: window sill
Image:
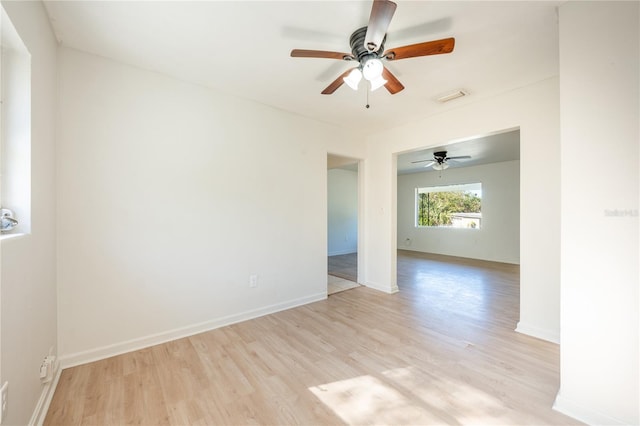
4 237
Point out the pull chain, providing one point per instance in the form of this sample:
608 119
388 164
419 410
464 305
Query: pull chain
367 106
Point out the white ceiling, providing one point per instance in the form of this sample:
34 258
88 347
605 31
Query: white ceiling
242 48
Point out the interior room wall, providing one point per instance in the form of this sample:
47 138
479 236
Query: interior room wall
342 204
27 280
600 116
170 197
535 110
498 238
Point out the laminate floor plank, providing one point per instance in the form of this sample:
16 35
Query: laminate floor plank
442 350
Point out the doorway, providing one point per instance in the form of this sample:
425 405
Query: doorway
476 199
342 223
462 210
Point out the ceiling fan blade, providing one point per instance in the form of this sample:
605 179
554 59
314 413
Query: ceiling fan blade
393 85
302 53
459 157
337 82
381 13
430 163
421 161
436 47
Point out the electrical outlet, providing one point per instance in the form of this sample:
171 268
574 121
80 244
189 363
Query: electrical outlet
47 368
43 371
253 281
4 396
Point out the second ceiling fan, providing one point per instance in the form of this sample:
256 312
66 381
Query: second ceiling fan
367 48
440 160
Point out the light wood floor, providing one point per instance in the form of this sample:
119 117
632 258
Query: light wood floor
441 351
344 266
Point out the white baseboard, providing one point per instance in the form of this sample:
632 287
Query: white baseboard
40 412
584 414
552 336
84 357
379 287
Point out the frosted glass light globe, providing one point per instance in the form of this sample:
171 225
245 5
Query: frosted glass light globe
372 69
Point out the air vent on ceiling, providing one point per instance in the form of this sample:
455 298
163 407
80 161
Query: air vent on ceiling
452 95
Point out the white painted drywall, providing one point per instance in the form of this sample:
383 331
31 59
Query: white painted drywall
498 238
535 110
170 196
600 118
342 206
28 290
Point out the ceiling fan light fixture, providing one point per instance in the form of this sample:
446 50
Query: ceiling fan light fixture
372 69
353 79
377 83
440 166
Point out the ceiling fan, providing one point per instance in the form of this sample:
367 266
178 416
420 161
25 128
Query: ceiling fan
440 160
367 48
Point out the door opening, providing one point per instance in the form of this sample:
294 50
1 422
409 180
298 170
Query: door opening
342 223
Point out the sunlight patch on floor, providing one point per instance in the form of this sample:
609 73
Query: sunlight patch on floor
367 400
445 394
403 396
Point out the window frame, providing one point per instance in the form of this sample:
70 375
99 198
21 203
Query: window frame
474 187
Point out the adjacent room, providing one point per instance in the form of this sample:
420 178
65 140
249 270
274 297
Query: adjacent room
459 208
462 199
181 180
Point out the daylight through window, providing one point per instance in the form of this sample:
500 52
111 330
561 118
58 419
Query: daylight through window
451 206
15 129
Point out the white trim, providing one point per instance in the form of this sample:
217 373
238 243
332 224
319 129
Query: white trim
16 236
552 336
84 357
389 290
584 414
42 407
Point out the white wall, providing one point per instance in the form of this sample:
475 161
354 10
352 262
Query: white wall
28 291
535 110
342 206
600 119
170 196
498 238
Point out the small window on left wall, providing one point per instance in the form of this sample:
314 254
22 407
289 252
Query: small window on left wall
15 128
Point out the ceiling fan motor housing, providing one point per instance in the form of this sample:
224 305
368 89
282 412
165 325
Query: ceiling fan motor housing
440 156
359 50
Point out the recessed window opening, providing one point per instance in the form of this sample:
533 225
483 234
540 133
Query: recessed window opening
450 206
15 127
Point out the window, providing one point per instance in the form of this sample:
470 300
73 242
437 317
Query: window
452 206
15 125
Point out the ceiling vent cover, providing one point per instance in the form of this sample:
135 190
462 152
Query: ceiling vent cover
452 95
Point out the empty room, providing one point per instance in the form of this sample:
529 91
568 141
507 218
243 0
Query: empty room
168 220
